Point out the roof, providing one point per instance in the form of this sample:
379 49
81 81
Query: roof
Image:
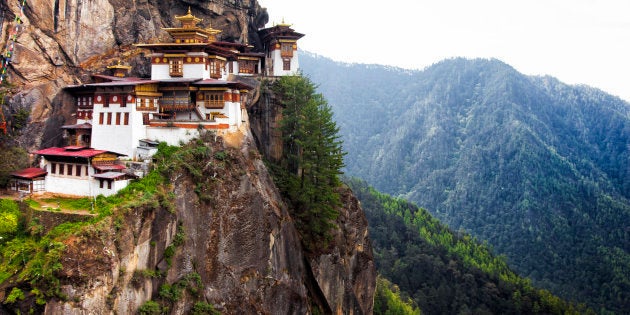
73 151
109 175
78 126
179 80
29 173
214 82
114 81
109 167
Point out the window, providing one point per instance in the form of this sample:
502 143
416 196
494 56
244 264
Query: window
286 64
123 101
126 119
109 184
101 118
69 170
287 50
61 169
106 101
214 100
78 171
100 181
176 67
53 168
109 118
247 66
117 118
145 119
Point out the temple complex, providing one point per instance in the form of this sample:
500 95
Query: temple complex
193 87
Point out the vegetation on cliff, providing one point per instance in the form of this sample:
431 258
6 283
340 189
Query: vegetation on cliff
444 272
309 170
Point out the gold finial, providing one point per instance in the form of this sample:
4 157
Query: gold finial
283 23
189 12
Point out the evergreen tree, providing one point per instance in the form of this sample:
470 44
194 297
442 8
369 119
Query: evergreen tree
312 157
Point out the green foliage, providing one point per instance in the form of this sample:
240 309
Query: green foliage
150 308
20 118
312 159
203 308
9 219
387 300
190 283
15 295
461 275
536 167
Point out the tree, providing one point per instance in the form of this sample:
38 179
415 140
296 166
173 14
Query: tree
312 156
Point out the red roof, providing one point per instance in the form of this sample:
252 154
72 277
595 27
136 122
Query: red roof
73 151
30 173
214 82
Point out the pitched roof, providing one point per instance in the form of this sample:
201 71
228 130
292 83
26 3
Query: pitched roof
29 173
73 151
214 82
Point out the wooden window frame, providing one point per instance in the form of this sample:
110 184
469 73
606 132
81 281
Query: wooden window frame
286 64
176 67
118 118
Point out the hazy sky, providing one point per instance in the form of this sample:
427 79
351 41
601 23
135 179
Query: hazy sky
576 41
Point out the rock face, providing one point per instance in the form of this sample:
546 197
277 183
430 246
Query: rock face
239 239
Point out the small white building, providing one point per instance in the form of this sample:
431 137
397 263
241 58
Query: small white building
82 171
28 181
281 50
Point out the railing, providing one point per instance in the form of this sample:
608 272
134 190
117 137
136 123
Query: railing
214 103
176 107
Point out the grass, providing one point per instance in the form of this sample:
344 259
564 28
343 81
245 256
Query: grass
60 203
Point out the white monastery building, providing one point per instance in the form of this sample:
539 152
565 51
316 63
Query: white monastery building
194 86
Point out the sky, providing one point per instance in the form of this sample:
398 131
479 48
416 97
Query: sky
576 41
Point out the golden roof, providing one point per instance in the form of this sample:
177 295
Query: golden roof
188 20
119 66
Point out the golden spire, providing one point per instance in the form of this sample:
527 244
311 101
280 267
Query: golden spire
284 24
188 20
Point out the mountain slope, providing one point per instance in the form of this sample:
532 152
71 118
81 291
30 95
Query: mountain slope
537 168
446 272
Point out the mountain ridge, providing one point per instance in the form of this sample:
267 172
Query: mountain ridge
536 167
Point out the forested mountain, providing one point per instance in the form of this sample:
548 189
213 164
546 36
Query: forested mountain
538 168
444 272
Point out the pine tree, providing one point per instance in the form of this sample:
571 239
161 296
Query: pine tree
312 157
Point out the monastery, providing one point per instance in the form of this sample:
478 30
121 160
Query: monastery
194 86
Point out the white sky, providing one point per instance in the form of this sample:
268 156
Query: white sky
576 41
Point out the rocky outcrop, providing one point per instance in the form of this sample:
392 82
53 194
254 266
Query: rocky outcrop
237 237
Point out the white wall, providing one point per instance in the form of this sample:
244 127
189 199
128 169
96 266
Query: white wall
116 186
160 72
171 135
278 64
